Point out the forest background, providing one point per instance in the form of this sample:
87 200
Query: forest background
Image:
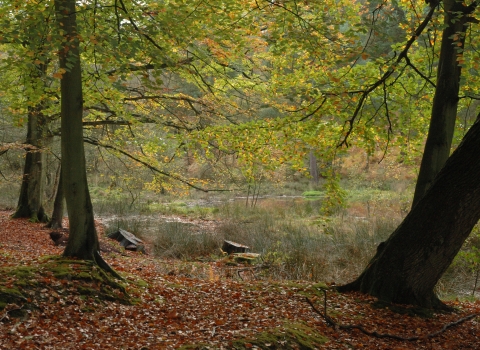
190 104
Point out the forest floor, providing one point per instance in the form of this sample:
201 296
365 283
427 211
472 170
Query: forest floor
51 303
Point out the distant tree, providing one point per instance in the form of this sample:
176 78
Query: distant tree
313 167
55 221
30 201
30 42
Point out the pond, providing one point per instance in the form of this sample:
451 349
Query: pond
184 212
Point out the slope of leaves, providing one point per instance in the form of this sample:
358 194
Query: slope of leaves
195 310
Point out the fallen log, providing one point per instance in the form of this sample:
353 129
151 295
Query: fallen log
230 247
128 240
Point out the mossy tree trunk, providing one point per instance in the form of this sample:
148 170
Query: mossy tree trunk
83 240
445 101
409 264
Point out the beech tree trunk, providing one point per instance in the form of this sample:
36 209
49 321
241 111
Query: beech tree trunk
445 101
409 264
58 207
83 240
30 200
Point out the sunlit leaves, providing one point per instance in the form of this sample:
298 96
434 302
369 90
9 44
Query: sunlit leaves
264 81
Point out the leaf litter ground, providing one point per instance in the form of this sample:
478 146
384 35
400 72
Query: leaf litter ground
50 306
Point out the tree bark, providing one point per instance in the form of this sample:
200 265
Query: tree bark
58 207
83 240
313 166
445 101
409 264
30 201
31 198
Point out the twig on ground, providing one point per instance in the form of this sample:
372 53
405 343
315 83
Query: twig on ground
9 308
252 270
336 325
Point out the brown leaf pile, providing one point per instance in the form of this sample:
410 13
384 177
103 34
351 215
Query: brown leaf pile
213 312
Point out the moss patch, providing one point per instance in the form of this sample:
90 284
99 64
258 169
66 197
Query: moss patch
296 335
60 277
10 296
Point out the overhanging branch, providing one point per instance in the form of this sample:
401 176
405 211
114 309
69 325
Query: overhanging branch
147 165
107 122
388 73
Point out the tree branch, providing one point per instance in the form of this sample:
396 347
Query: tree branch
137 29
107 122
149 66
387 74
179 97
147 165
314 111
409 63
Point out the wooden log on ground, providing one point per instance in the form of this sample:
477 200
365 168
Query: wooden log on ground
230 247
128 240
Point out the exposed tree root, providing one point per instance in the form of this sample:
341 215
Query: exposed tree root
105 266
430 301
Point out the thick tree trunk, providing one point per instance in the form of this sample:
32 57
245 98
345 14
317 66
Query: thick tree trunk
445 101
30 201
83 241
58 207
408 265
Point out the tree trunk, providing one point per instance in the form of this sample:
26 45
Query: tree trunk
83 240
408 265
30 201
58 207
312 160
445 101
31 198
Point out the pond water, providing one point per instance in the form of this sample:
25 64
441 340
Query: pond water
149 223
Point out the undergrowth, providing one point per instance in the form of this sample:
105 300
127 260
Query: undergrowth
293 238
